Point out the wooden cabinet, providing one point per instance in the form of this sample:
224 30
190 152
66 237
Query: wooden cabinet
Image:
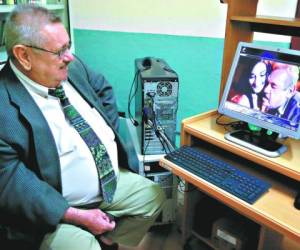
59 7
277 219
242 21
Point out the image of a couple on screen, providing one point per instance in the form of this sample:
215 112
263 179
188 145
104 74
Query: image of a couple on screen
268 86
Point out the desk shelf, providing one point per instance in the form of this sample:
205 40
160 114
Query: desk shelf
268 20
274 210
269 24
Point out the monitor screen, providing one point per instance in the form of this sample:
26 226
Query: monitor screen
263 89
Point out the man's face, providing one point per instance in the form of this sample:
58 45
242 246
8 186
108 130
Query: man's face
276 91
258 76
49 69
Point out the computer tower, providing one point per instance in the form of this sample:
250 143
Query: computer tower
156 104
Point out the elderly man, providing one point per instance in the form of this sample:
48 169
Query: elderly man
281 97
63 167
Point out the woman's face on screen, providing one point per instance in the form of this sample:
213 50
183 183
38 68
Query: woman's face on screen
258 77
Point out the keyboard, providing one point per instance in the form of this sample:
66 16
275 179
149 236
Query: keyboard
220 173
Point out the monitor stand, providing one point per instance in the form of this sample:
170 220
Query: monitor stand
257 141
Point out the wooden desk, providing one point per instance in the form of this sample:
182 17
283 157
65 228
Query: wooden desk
274 211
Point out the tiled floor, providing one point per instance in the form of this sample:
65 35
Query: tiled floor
168 238
164 237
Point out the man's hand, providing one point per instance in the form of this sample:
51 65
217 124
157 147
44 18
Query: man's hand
94 220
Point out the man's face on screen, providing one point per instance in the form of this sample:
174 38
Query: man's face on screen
279 89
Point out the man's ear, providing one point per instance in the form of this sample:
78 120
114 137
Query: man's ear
291 91
21 54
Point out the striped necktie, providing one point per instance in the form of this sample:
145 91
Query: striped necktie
103 163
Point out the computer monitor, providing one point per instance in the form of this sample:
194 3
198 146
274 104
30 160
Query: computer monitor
262 90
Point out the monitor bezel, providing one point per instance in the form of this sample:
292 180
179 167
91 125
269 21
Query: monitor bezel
284 132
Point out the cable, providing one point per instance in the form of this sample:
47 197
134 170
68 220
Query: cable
181 186
162 137
145 149
147 65
130 97
158 135
233 125
167 139
159 131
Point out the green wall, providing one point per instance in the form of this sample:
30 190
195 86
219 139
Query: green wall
197 61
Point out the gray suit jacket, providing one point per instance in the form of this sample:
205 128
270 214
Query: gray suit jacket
31 203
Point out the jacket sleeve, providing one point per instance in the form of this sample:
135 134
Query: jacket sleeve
24 198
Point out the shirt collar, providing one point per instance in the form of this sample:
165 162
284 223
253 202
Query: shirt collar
28 83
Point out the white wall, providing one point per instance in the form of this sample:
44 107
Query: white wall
176 17
203 18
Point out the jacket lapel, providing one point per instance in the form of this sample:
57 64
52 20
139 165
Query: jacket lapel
46 153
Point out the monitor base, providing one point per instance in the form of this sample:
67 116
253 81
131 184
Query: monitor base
258 142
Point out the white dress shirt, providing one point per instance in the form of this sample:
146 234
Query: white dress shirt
80 182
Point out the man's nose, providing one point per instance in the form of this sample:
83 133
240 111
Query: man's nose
68 56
